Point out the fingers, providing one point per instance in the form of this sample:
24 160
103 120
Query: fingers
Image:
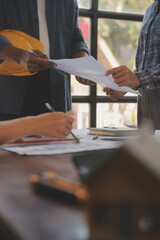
69 120
64 124
65 127
35 64
40 54
119 75
85 81
113 70
108 91
43 56
63 134
113 94
123 77
39 61
71 114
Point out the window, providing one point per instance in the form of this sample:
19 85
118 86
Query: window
111 30
128 6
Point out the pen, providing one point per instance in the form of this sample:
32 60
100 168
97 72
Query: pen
32 52
49 107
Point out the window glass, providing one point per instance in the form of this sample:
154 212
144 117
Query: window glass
78 89
117 44
85 26
116 114
132 6
82 114
84 3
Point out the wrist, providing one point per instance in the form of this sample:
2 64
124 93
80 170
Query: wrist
29 126
80 53
19 55
144 80
12 53
137 82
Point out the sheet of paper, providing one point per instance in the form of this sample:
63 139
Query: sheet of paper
86 144
89 68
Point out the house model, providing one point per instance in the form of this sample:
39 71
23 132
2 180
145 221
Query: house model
124 199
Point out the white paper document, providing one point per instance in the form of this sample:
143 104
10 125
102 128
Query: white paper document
86 144
89 68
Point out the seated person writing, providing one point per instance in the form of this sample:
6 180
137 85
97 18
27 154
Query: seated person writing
55 124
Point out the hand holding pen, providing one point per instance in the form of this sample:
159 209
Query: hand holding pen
49 107
36 61
45 64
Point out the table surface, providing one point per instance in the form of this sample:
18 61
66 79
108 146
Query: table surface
28 216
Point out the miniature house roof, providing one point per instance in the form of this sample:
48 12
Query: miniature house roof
144 152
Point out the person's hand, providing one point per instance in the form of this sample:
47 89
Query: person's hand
27 59
34 63
113 94
71 113
56 124
85 81
124 77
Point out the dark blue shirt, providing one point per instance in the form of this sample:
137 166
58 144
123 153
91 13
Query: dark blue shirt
65 39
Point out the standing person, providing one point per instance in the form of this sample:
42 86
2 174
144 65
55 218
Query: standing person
54 22
146 77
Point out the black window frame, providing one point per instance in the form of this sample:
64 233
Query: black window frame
93 13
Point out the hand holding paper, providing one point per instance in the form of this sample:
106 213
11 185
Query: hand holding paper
123 76
85 81
89 68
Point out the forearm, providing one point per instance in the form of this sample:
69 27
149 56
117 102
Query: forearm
149 78
13 129
11 53
55 124
3 42
78 43
80 53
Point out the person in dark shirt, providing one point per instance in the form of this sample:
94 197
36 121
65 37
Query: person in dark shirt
55 23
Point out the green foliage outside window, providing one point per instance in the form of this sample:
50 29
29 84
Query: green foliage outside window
136 6
120 35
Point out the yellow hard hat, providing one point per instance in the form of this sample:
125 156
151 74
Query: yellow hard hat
21 40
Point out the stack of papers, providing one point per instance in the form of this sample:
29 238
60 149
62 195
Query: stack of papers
89 68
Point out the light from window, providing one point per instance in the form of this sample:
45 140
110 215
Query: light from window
82 115
128 6
116 114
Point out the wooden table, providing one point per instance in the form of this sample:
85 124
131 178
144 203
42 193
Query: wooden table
27 216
